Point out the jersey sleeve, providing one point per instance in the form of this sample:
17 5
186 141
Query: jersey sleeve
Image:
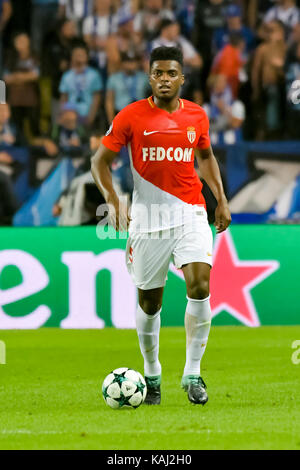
119 132
204 139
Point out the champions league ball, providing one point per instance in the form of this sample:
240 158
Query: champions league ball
124 387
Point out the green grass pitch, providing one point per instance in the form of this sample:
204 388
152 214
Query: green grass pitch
50 391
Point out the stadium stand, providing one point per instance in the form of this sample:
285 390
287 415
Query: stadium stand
242 63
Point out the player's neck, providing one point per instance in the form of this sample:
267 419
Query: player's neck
169 106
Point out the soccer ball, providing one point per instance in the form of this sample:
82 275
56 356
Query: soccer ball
124 387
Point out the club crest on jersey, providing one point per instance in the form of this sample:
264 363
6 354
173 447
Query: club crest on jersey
191 133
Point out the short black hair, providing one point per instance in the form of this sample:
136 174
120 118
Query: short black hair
166 53
79 44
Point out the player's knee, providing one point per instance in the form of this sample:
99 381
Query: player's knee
198 290
150 307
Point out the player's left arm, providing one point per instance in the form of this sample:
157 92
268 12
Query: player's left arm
210 172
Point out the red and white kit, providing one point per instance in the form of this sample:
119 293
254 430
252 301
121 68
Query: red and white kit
169 219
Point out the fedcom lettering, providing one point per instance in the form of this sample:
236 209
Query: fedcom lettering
159 154
171 459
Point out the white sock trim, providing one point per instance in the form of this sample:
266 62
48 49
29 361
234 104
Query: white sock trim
151 317
198 300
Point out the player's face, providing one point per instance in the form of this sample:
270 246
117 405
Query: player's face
166 78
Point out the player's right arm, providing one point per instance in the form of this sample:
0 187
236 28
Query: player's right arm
118 135
101 171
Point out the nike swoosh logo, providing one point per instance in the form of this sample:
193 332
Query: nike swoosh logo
148 133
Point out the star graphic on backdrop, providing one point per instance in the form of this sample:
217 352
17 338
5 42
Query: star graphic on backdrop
232 280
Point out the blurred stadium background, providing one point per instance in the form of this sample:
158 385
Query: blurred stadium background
69 66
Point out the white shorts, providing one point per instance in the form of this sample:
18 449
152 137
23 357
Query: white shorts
148 255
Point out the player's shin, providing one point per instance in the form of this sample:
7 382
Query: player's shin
148 327
197 326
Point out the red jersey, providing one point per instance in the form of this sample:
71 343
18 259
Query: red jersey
161 148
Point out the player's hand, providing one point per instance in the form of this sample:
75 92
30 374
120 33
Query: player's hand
118 214
222 216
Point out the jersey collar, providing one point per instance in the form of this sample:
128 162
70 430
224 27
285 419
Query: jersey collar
153 105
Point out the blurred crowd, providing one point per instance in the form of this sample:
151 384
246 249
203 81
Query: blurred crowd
71 65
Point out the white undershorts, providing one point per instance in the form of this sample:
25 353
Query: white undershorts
148 255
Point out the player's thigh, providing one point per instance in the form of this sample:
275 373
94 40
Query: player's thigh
148 260
193 253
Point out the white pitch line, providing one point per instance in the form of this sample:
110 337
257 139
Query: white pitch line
26 431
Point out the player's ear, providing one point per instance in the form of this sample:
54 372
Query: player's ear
149 77
182 79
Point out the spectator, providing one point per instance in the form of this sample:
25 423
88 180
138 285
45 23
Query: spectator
81 86
43 20
8 138
287 12
21 76
234 25
127 6
58 57
292 76
255 11
170 37
8 133
5 14
125 87
185 13
147 21
209 16
226 114
8 201
268 81
126 41
96 31
229 62
78 204
76 11
68 137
